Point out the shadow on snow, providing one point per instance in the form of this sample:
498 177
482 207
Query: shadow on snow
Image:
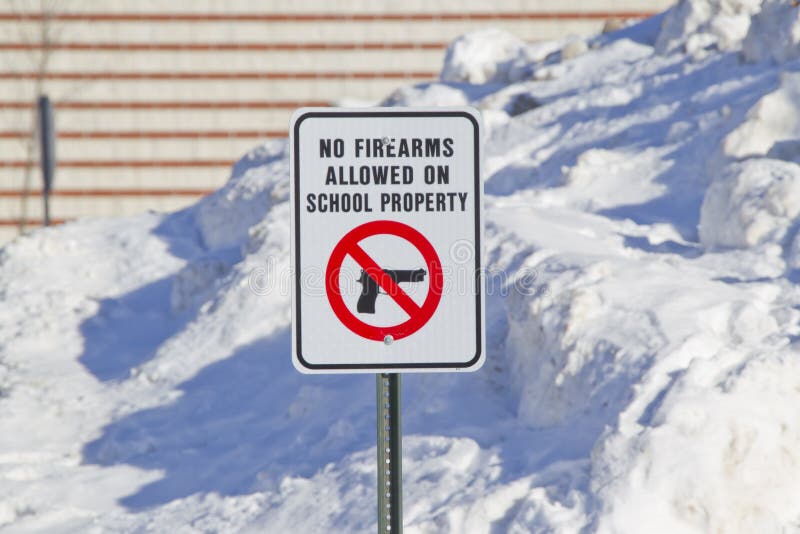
241 423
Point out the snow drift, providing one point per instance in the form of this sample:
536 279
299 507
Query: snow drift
643 195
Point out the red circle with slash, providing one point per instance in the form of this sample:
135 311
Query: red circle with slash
349 246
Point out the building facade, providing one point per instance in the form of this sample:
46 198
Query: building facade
154 100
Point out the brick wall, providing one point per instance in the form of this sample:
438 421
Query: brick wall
154 100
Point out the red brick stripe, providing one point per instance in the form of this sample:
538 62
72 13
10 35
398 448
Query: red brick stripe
30 223
243 134
148 76
166 104
154 134
323 17
109 164
15 134
112 193
220 47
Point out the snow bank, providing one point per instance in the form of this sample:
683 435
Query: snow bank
751 203
721 456
772 124
755 199
643 321
485 56
432 94
774 33
565 368
225 217
764 30
699 25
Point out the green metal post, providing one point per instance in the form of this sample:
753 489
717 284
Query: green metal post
390 455
47 158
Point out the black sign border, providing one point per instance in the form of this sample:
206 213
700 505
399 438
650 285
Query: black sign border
296 208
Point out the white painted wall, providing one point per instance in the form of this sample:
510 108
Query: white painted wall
409 26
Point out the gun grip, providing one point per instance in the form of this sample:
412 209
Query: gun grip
366 303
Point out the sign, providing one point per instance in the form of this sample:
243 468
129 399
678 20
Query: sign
387 223
417 315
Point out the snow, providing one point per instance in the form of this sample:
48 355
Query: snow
485 56
772 125
752 202
774 34
643 320
696 25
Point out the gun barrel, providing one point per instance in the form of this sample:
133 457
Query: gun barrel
370 288
406 275
418 275
399 276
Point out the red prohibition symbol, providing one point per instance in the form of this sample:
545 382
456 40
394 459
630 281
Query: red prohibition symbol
349 246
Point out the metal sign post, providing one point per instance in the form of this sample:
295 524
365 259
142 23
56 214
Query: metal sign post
387 231
47 151
390 455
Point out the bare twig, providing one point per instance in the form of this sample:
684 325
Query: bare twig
45 36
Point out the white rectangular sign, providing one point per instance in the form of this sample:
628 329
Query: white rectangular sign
387 215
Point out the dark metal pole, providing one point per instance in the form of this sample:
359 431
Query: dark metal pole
390 455
47 152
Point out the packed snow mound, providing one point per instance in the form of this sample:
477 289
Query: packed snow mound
485 56
753 202
430 94
561 383
225 217
764 30
772 125
723 461
774 33
643 321
699 25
